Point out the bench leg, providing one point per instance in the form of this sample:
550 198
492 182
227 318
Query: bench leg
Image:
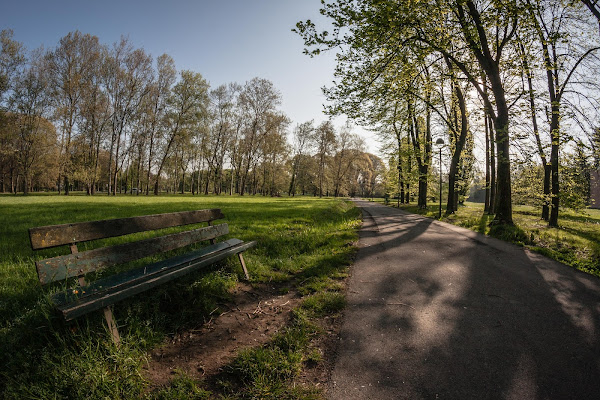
112 326
244 266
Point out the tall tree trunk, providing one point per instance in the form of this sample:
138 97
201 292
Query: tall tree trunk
479 43
503 206
555 132
493 186
25 183
409 170
486 207
459 144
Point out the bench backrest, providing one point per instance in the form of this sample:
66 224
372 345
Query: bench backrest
79 264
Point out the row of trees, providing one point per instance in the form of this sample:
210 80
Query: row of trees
518 76
93 117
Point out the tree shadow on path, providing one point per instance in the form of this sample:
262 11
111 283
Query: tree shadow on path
436 314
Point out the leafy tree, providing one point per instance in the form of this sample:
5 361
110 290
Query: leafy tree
69 67
30 101
324 141
221 132
94 115
301 144
12 59
186 107
129 77
155 105
550 22
258 100
348 150
374 35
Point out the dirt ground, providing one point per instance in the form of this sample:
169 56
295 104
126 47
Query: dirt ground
251 319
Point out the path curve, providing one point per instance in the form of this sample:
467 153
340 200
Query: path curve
437 311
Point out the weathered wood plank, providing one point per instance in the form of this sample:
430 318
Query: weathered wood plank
241 257
58 235
112 325
63 267
142 273
105 298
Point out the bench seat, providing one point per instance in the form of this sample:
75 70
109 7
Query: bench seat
107 291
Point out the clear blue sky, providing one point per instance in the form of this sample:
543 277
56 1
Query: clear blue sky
224 40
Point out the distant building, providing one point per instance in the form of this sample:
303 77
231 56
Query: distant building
476 193
595 189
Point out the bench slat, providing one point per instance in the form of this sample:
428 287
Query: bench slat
57 235
139 273
67 266
112 295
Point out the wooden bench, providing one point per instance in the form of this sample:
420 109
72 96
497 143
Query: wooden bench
85 297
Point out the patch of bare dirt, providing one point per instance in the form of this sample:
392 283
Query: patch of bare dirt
318 374
250 320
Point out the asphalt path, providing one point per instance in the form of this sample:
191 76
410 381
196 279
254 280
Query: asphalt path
440 312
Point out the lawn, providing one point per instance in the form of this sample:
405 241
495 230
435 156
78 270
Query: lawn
576 242
304 244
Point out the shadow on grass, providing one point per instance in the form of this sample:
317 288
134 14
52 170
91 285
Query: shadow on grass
586 218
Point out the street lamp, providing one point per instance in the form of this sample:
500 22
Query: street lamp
440 144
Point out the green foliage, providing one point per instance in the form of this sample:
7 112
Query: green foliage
574 175
509 233
528 185
265 372
182 388
324 303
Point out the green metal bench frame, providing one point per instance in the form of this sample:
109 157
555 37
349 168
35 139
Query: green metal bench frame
104 292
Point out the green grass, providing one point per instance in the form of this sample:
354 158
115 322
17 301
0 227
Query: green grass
303 243
324 303
182 388
266 372
576 242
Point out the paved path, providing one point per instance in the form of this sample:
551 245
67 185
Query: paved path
436 311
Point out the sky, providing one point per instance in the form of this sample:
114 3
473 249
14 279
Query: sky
224 40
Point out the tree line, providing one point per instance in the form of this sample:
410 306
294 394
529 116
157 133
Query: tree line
517 76
99 118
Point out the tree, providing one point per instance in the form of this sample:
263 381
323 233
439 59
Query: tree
156 107
30 102
348 149
374 35
301 144
324 140
594 7
69 66
129 78
186 107
12 59
94 116
221 132
258 99
548 19
274 150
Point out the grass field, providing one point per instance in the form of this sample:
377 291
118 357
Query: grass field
576 242
304 243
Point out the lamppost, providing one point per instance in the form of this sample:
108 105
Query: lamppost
440 144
